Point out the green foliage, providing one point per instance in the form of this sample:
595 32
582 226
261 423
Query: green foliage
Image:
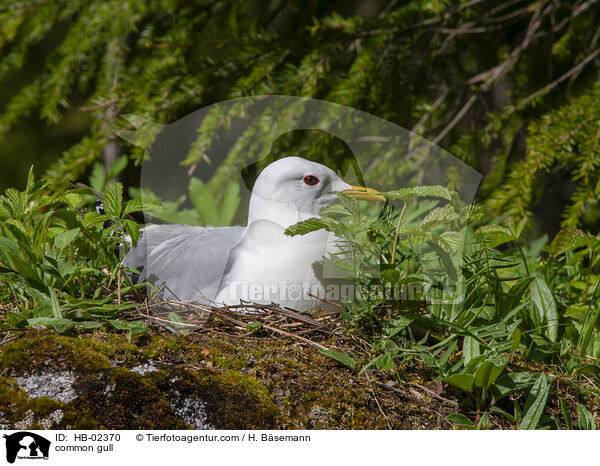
514 306
470 75
567 140
210 206
59 266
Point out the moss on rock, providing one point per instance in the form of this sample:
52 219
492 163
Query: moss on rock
194 381
108 388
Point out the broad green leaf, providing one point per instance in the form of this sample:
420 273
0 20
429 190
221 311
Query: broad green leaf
452 240
484 421
535 404
306 226
138 205
115 168
510 418
87 324
397 325
495 235
470 349
253 326
119 325
589 324
72 199
463 381
385 362
568 240
340 357
97 177
204 201
446 261
520 227
229 204
137 327
517 290
113 199
12 257
56 309
544 303
438 216
132 229
511 382
59 324
460 420
586 419
488 371
93 218
65 238
407 194
17 320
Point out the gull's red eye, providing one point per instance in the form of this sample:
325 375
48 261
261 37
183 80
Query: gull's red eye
311 180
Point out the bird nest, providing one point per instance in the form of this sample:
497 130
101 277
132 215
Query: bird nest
246 320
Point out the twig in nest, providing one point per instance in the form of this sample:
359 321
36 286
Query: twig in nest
298 337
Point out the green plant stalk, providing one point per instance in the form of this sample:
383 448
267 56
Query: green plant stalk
588 326
523 257
396 234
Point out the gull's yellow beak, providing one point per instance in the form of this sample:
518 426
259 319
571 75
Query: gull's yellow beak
360 192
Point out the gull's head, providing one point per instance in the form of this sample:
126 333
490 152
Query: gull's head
301 188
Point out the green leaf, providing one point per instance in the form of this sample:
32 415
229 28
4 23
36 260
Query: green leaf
115 168
460 420
119 325
97 177
30 181
446 261
137 327
56 309
204 201
59 324
93 218
385 362
65 238
568 240
133 229
16 320
229 204
113 199
306 226
438 216
586 419
535 404
565 413
543 300
488 371
462 381
589 324
495 235
138 205
12 257
517 290
470 349
407 194
340 357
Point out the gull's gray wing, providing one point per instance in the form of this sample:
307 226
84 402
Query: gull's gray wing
188 262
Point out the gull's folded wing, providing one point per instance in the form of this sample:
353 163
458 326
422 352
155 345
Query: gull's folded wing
186 262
